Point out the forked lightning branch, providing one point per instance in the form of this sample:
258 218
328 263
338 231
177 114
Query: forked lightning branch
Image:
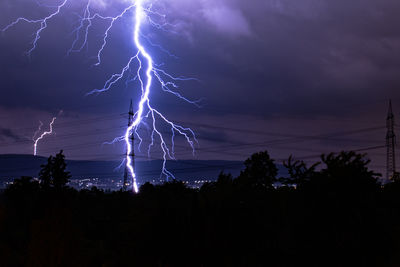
147 72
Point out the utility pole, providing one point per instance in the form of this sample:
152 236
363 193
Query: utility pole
132 141
390 145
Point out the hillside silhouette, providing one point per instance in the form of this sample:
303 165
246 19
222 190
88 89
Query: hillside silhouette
331 213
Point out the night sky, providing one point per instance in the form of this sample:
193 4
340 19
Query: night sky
293 77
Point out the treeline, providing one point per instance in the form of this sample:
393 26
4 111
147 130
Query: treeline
332 213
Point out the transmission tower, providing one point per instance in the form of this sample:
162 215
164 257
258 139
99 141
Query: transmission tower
132 141
390 145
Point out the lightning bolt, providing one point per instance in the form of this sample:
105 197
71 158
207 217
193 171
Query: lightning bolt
42 22
147 72
36 140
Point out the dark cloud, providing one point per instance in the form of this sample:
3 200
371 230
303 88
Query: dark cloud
259 55
213 135
9 134
296 60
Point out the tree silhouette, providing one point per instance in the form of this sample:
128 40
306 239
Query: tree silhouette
346 171
45 174
60 175
23 185
147 188
224 179
260 172
54 174
299 173
338 212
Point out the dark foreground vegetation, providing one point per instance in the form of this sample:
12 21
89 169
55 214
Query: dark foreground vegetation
333 214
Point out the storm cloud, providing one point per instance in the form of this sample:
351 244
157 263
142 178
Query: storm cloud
7 134
256 60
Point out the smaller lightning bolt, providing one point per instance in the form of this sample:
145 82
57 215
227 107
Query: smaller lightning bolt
43 25
42 135
37 131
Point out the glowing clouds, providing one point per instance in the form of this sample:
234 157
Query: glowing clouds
228 20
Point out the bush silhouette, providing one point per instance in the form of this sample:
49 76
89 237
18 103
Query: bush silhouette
54 174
